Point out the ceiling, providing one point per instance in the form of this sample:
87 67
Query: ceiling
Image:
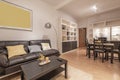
82 8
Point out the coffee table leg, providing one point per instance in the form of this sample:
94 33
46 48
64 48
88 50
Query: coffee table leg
22 76
66 74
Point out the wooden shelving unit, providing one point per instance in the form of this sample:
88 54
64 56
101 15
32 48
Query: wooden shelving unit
69 35
68 31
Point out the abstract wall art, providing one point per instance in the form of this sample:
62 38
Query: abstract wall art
13 16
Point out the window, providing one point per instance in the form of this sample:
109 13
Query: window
100 30
115 33
108 29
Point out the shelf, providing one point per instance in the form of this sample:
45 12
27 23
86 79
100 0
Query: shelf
69 31
51 74
65 24
64 30
69 40
69 35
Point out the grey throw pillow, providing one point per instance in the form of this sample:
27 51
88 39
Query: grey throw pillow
34 48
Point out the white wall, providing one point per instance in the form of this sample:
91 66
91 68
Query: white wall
42 13
103 17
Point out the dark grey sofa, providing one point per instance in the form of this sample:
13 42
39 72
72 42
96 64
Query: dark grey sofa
13 64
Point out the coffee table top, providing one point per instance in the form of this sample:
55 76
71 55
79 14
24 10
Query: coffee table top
33 70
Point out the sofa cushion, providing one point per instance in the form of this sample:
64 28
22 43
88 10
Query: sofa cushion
30 56
16 60
34 48
45 46
12 43
37 54
22 58
15 50
50 52
38 42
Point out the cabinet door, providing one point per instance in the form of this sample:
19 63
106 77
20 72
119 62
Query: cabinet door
74 44
67 46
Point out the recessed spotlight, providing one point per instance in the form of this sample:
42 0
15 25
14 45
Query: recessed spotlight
94 8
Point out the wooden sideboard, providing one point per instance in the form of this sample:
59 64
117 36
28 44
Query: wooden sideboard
70 45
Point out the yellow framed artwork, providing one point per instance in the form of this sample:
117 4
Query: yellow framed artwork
13 16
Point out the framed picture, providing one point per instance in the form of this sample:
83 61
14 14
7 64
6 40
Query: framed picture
13 16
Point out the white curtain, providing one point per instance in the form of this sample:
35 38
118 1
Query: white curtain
115 29
101 30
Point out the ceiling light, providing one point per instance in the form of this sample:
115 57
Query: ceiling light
94 8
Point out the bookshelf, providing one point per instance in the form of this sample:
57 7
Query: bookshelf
69 35
68 31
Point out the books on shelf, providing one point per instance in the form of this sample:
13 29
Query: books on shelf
68 31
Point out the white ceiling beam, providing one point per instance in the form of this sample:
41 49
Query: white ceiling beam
63 4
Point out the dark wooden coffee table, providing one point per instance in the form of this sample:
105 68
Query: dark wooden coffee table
33 71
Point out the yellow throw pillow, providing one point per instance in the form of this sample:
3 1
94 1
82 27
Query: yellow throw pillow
45 46
15 50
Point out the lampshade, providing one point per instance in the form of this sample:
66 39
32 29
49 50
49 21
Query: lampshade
48 25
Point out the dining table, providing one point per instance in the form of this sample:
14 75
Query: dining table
106 45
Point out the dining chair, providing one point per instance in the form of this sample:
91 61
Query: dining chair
116 51
108 51
99 49
89 48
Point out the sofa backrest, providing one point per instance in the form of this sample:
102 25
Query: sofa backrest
3 45
38 42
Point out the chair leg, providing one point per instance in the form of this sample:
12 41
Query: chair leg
94 55
102 57
119 56
88 53
112 55
87 50
106 56
97 55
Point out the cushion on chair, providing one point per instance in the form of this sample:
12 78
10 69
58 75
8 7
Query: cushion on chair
115 50
98 50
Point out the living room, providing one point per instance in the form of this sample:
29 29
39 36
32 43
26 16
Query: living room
59 32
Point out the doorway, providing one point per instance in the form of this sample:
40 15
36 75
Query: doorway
82 37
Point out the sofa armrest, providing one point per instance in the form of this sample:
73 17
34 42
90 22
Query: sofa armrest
3 60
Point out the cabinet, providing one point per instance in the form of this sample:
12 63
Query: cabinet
70 45
69 35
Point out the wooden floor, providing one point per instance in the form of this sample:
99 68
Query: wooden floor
80 67
90 69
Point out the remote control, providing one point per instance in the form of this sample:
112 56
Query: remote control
59 60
